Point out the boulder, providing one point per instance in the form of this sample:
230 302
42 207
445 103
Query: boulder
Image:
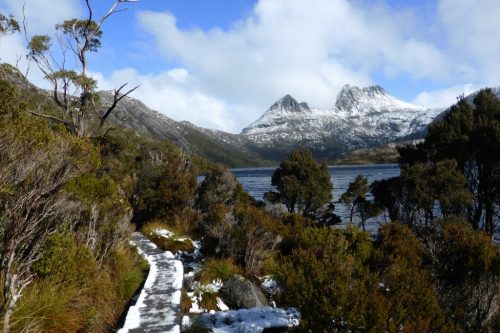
241 293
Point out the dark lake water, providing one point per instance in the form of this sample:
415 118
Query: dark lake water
257 181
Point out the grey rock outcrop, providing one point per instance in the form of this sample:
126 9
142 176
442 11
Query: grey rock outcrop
241 293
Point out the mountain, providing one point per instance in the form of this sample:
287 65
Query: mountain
361 117
133 114
214 145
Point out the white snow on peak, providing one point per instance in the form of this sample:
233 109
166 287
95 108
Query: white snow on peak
355 100
359 114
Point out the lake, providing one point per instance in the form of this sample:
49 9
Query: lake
257 181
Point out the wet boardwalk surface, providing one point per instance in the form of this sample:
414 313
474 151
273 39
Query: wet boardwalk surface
158 306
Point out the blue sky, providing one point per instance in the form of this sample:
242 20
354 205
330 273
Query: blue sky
222 63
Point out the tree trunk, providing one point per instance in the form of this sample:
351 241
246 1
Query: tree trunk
8 314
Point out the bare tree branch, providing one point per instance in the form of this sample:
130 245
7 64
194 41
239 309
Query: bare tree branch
46 116
116 99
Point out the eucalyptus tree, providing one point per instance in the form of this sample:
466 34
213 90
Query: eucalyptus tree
355 195
8 24
80 109
303 185
469 134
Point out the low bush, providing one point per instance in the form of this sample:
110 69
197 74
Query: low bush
48 306
208 301
169 241
65 261
74 293
215 269
128 268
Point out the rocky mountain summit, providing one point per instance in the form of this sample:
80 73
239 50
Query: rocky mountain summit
361 117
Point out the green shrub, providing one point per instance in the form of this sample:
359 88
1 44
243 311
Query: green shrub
65 261
91 188
215 268
128 269
209 301
128 282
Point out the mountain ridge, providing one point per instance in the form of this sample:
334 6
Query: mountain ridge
360 118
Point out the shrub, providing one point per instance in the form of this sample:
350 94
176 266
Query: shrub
468 272
65 261
214 269
326 279
208 301
49 306
172 243
90 188
128 269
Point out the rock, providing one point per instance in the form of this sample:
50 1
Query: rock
241 293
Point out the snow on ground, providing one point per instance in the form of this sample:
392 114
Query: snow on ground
270 285
163 233
158 306
253 320
197 295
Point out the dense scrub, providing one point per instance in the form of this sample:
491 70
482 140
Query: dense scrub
66 264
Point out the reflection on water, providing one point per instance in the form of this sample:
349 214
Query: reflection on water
257 181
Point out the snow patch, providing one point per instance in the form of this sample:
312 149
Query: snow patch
253 320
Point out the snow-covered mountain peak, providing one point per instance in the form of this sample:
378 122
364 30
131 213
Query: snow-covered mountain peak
289 104
355 92
355 100
360 117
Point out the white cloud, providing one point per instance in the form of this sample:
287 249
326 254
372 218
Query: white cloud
176 94
309 49
42 15
444 97
472 29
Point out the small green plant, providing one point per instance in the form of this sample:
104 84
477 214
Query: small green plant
209 301
128 269
128 282
65 261
215 269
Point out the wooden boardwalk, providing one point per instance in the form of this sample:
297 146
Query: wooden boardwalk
158 306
